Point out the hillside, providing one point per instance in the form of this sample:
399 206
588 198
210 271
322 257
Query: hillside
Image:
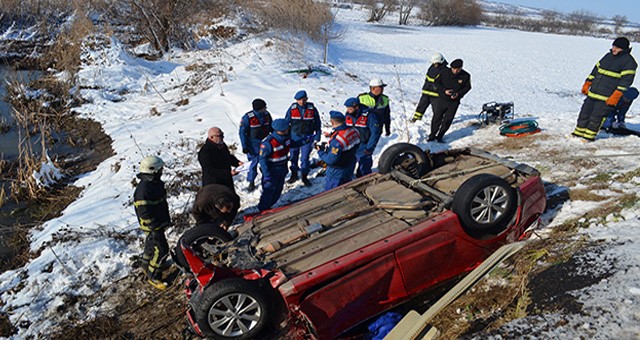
83 272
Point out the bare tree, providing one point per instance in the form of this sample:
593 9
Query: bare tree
378 9
581 22
329 31
404 9
551 21
619 21
451 12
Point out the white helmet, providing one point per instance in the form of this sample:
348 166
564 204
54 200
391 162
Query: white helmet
376 82
437 58
151 165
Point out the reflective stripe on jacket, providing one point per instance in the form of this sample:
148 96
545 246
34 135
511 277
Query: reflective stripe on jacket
611 73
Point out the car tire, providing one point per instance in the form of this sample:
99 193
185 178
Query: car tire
406 157
198 235
233 309
485 205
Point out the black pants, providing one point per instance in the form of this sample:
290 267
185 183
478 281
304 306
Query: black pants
423 104
155 253
593 113
443 113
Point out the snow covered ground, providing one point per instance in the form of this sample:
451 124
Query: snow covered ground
166 107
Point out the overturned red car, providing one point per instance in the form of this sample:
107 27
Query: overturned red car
319 267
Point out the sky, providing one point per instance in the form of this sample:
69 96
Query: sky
608 9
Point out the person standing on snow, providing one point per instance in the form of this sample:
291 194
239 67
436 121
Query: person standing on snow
604 87
255 125
304 120
340 153
429 90
152 210
274 158
369 130
452 85
216 160
615 119
377 103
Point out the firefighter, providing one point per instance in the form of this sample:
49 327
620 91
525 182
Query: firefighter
216 202
274 158
304 120
255 125
429 90
150 202
340 153
378 103
369 129
452 85
609 79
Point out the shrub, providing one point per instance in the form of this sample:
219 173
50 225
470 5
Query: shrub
451 12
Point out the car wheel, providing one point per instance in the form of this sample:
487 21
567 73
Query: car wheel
196 237
405 157
232 309
485 204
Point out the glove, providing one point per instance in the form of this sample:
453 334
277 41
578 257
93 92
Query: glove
614 98
585 87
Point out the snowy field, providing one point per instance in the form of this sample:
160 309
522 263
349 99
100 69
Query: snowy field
141 105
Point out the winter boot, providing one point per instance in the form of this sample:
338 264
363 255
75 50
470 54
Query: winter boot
158 284
293 178
306 181
251 187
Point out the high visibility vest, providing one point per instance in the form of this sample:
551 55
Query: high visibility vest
309 113
367 99
360 122
259 129
280 151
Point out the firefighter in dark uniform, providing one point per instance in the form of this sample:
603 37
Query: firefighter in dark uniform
452 85
274 159
340 152
150 202
369 129
378 103
216 202
604 87
429 90
304 120
255 125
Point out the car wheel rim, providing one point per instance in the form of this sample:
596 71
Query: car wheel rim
489 204
234 315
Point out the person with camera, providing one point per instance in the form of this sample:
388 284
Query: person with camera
452 85
340 152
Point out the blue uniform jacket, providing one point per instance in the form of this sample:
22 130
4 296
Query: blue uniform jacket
370 135
301 128
266 150
250 137
340 163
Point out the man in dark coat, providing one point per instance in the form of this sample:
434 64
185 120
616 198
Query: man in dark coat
429 90
377 103
152 210
340 152
304 119
216 202
452 85
604 87
216 160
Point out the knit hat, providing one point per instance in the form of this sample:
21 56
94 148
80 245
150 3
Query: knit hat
456 63
280 124
352 102
336 115
621 42
258 104
300 94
